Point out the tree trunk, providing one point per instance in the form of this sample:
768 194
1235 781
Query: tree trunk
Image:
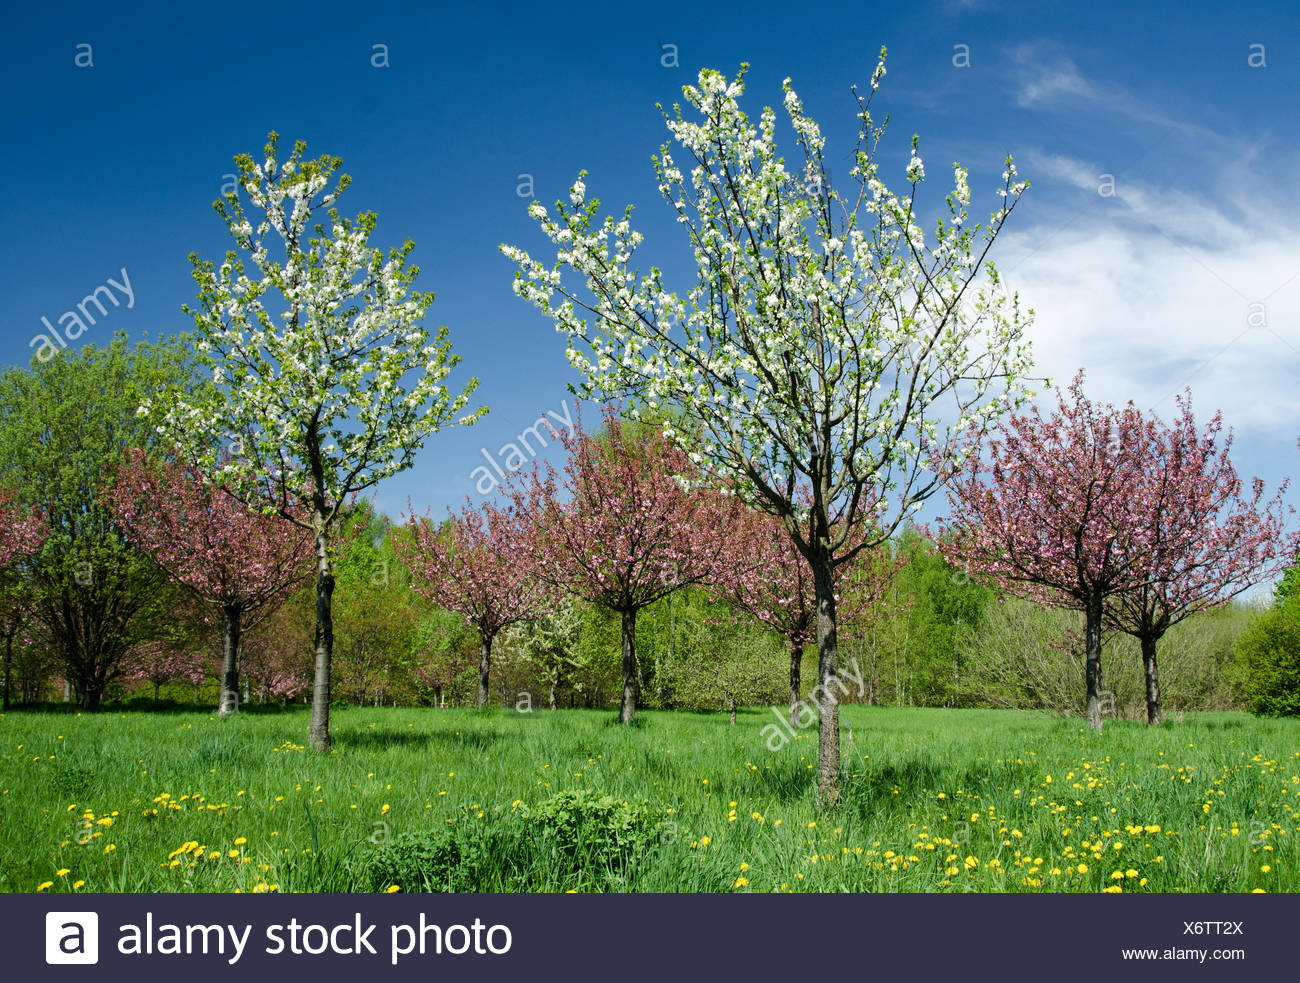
9 658
484 664
437 695
1153 681
733 711
1092 632
156 687
828 681
796 674
230 630
628 707
319 734
551 694
84 687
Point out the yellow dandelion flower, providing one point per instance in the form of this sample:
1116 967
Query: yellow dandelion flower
393 889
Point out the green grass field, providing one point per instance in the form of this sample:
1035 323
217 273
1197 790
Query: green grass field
934 800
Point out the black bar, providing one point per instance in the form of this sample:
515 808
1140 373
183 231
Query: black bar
679 937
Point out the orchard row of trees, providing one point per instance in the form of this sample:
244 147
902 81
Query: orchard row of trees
831 367
938 639
644 537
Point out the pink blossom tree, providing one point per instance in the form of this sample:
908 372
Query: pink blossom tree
242 561
473 565
21 534
770 582
21 531
276 656
17 611
1059 519
1204 542
623 528
160 662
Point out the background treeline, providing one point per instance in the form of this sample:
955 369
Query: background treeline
941 640
94 615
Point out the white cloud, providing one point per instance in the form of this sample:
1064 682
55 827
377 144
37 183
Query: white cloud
1045 74
1044 77
1159 289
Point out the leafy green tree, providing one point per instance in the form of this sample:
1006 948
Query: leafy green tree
549 643
375 611
1269 655
1289 585
727 664
64 425
911 646
444 647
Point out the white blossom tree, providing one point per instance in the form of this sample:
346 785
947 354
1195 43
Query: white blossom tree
315 405
827 340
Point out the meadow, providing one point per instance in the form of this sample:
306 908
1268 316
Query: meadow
467 800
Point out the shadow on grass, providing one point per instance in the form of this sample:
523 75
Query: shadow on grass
388 738
143 705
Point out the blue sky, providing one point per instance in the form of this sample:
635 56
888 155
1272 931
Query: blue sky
1188 274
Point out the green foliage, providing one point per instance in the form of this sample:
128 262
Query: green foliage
1031 657
376 613
549 647
575 836
910 647
64 425
459 856
583 828
1269 654
719 664
1289 585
